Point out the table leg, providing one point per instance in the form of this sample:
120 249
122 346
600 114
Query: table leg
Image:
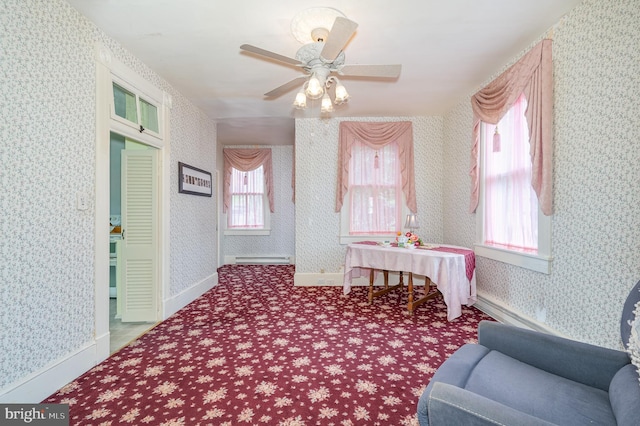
410 304
386 289
371 275
427 296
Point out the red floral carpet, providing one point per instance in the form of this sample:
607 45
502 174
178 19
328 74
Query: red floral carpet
256 350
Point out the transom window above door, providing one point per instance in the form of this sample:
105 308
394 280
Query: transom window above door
132 109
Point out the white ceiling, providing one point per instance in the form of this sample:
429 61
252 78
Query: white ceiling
447 49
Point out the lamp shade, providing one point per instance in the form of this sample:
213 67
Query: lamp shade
412 221
314 88
301 100
341 94
326 105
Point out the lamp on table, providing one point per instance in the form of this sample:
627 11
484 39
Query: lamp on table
412 222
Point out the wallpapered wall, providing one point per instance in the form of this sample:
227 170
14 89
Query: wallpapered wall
596 221
48 155
317 225
281 242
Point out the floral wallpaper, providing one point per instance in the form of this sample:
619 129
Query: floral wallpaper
317 225
281 242
47 288
596 221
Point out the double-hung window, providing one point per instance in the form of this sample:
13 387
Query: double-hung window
374 203
374 190
509 223
248 205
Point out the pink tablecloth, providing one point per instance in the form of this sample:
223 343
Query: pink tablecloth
446 266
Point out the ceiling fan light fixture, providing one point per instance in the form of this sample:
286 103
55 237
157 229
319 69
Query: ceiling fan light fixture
326 106
314 89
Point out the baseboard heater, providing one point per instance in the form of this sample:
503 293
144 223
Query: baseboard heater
262 260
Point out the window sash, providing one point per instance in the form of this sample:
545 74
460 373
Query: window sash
133 110
510 203
375 192
247 199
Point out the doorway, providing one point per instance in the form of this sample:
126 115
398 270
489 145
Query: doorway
127 321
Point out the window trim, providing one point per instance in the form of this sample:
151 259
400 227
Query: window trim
540 261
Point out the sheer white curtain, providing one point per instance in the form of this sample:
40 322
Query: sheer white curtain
375 189
247 192
507 179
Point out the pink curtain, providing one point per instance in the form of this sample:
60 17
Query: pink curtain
377 135
246 160
533 76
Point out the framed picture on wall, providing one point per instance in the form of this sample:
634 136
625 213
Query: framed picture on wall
192 180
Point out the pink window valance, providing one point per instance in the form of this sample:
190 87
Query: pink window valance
246 160
533 76
377 135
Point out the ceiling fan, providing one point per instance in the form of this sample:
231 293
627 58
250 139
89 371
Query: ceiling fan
322 59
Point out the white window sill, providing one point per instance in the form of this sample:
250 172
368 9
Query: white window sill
263 231
349 239
532 261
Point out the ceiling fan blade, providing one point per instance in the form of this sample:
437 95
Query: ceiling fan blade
269 54
340 34
278 91
390 71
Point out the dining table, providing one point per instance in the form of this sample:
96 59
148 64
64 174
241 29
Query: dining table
451 269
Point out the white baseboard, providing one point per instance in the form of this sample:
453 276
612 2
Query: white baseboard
259 260
182 299
40 384
507 315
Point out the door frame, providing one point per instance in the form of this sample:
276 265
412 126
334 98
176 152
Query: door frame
107 67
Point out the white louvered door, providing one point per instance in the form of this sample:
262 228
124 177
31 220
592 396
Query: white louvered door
140 235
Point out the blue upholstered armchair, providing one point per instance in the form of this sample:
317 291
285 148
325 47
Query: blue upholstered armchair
521 377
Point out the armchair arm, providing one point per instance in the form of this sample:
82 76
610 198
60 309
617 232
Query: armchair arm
581 362
451 405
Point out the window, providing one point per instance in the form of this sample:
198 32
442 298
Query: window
510 203
509 220
133 110
247 203
374 203
374 190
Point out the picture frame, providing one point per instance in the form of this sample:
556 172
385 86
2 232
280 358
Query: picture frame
194 181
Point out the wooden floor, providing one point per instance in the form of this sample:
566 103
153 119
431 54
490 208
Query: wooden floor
123 333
